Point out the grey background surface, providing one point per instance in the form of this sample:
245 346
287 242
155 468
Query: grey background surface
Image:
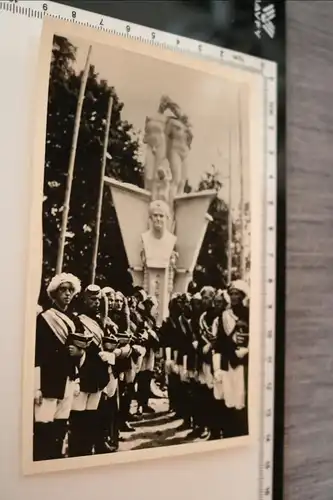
309 338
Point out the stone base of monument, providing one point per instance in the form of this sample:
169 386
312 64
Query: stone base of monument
191 221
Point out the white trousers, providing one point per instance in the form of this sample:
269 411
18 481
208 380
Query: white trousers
55 409
86 401
207 375
112 386
148 361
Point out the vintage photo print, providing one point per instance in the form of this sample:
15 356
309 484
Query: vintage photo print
143 308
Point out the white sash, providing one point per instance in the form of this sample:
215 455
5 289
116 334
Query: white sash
59 322
93 328
233 380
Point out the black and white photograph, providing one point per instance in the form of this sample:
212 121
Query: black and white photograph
142 322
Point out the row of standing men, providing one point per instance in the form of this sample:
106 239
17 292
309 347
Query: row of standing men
96 351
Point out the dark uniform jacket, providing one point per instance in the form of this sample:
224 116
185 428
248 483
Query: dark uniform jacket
94 373
169 335
225 344
185 343
51 352
205 337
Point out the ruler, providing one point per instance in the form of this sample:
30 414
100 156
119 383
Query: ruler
268 70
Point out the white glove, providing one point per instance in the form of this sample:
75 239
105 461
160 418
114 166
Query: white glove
176 369
241 352
184 376
218 375
195 344
206 348
169 365
107 357
38 397
76 390
117 352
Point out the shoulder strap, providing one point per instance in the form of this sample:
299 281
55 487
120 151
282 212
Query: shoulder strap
60 324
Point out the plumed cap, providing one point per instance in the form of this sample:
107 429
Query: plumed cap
93 291
60 279
241 286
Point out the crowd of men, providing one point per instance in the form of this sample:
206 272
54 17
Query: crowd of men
95 355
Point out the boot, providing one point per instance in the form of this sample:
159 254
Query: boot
43 441
79 439
144 391
101 426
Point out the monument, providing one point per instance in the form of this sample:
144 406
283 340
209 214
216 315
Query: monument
162 227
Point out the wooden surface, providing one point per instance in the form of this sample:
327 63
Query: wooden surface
309 366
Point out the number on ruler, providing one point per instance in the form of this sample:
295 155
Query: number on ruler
267 465
269 386
267 492
268 413
101 22
73 14
221 53
128 28
268 438
200 47
45 7
269 334
177 41
269 359
153 35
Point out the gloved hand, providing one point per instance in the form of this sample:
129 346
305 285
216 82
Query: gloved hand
218 375
107 357
38 397
77 390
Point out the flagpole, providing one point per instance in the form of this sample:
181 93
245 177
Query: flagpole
101 190
70 174
230 214
241 169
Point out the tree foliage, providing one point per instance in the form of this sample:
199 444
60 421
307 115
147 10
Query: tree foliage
122 164
212 261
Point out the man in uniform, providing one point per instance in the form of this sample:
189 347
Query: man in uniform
151 344
186 361
230 365
94 375
54 369
205 375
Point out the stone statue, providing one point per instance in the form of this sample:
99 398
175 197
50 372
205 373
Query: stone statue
168 140
155 140
158 242
177 152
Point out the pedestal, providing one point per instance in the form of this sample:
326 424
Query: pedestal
131 204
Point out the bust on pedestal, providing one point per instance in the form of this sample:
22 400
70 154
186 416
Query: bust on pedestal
159 255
